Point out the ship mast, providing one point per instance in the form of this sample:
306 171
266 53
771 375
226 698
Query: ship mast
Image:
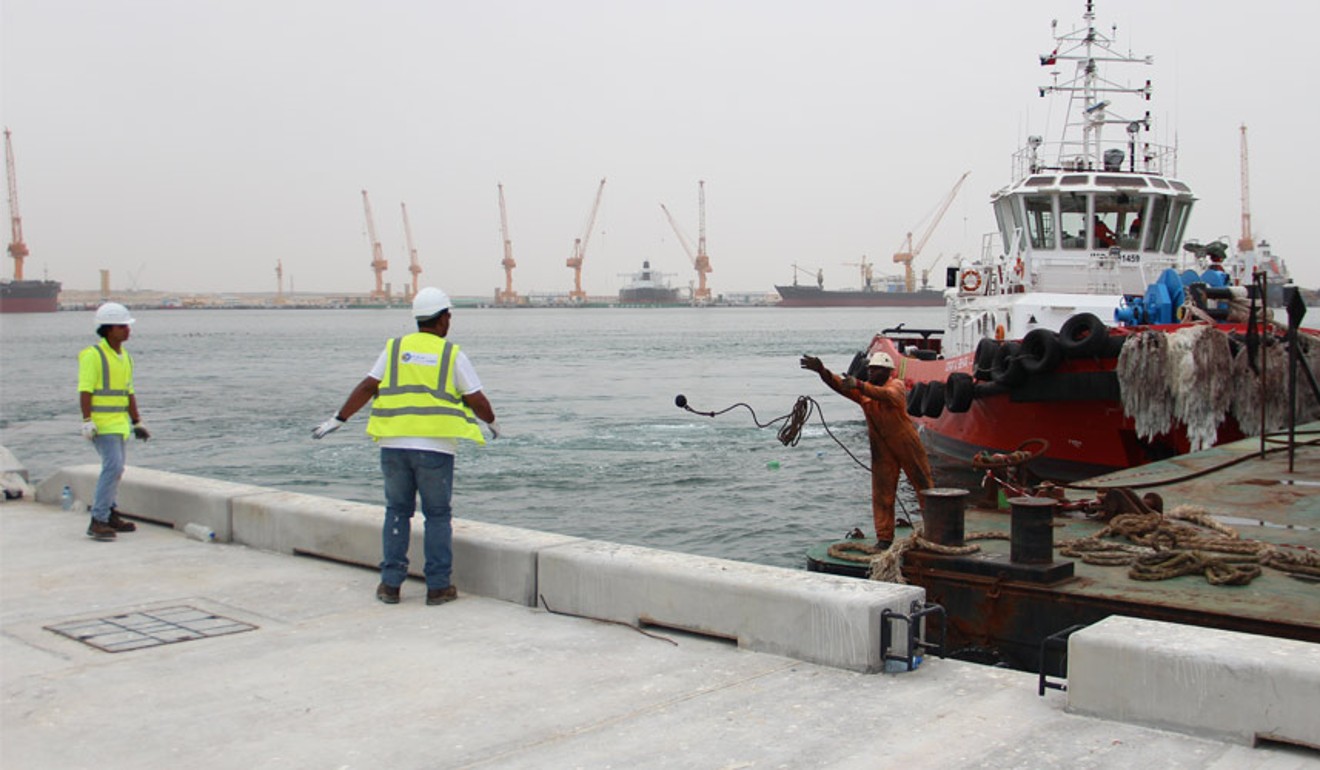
17 248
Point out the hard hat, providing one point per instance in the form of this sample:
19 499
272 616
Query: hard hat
113 314
880 358
429 303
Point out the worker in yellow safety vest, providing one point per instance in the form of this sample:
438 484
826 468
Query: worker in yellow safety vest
109 413
427 397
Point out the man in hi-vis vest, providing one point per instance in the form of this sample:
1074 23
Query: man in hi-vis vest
427 397
109 413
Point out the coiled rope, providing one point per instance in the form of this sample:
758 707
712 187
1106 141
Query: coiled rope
796 419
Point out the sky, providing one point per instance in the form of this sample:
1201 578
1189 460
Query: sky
190 145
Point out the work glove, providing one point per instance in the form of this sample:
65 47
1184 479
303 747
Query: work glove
811 363
140 431
326 428
89 430
494 429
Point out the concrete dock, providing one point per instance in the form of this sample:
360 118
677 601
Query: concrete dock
296 665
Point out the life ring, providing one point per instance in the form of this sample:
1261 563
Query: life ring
971 281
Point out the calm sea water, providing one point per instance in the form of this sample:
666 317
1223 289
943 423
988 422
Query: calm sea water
595 446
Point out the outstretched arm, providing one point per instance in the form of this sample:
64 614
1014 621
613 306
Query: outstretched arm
834 381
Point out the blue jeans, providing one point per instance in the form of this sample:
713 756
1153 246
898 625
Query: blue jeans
409 472
111 449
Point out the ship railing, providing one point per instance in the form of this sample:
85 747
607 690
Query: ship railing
1066 156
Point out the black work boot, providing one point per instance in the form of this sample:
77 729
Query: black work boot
100 530
387 594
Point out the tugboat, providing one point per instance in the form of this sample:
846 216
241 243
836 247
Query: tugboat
1087 260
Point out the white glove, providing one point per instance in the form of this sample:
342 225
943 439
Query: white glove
326 428
494 429
89 430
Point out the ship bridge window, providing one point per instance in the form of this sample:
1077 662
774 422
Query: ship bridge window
1120 181
1040 221
1160 183
1114 216
1075 179
1177 223
1072 220
1039 181
1179 186
1156 222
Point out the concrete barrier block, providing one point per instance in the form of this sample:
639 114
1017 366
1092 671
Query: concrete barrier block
489 559
160 496
1222 684
809 616
10 464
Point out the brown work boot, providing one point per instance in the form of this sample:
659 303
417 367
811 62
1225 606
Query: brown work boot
436 596
100 530
387 594
119 523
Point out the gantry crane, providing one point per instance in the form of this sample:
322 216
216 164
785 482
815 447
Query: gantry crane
580 249
868 275
1246 242
909 251
508 296
378 263
413 267
17 248
699 259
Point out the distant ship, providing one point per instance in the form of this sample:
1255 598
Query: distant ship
888 291
648 287
29 296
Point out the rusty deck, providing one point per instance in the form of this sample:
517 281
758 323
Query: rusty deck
997 619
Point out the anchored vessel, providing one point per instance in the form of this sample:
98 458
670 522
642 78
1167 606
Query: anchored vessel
648 287
1086 261
18 295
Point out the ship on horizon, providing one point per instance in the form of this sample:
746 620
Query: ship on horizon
889 291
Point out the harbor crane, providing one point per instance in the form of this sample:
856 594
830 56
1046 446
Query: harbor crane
279 282
580 249
1246 242
909 251
378 263
508 296
819 276
17 248
700 260
413 267
868 275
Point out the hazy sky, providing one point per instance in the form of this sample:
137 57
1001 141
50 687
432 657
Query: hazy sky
187 145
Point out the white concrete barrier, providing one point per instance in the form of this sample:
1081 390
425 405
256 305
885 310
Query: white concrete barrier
809 616
1224 684
489 559
160 496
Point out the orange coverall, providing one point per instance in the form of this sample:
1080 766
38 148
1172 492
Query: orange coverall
895 445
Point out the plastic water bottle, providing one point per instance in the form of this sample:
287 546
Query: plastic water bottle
66 498
200 532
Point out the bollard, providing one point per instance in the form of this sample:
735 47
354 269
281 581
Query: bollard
1031 532
943 518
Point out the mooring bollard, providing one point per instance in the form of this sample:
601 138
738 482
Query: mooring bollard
1031 530
943 519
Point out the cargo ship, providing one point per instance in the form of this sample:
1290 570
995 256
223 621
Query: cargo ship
648 287
29 296
889 291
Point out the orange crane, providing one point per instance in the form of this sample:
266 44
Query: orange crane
17 248
378 263
508 296
909 252
700 260
1246 242
580 249
413 267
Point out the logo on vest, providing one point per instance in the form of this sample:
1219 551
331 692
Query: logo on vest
420 359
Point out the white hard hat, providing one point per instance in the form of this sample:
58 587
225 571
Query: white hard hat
113 314
429 302
880 358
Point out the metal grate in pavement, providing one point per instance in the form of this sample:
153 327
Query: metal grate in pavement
149 628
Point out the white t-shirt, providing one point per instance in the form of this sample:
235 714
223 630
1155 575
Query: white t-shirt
465 380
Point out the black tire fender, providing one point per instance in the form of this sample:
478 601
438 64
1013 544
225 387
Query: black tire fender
1083 335
1041 351
933 404
984 360
916 398
959 391
1007 369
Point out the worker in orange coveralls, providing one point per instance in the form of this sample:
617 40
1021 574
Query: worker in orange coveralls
894 441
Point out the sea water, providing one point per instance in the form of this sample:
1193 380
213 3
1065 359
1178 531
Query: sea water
594 445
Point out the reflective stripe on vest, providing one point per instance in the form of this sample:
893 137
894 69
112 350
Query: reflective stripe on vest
410 403
109 403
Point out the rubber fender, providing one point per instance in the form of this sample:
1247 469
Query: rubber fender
916 399
959 390
1041 351
1083 335
1007 369
1114 345
858 366
933 404
985 358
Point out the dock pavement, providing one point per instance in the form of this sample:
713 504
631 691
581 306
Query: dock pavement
307 670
